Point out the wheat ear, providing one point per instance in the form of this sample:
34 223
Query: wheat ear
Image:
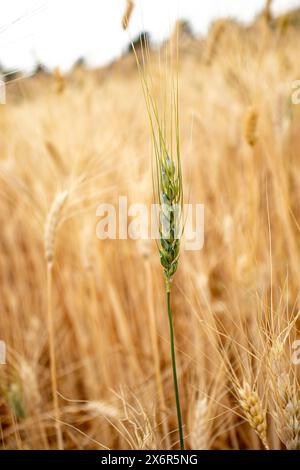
199 434
250 126
254 411
290 409
52 221
127 14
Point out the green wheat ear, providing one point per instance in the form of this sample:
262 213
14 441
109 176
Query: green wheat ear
170 202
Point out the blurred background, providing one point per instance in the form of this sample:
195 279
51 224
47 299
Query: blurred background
59 32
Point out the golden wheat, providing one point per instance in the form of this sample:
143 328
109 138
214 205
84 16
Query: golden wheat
254 411
235 301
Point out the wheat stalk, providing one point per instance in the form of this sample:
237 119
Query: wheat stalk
51 225
169 196
52 221
145 253
168 190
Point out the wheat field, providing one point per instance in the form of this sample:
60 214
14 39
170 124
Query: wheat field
68 143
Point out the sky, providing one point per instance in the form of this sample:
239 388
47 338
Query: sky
58 32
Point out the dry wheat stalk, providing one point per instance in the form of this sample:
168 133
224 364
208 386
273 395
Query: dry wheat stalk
253 411
136 426
52 222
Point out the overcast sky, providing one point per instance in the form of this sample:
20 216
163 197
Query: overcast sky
58 32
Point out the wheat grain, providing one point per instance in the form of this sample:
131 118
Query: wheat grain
254 411
170 198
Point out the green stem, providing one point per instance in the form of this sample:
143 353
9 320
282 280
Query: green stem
175 373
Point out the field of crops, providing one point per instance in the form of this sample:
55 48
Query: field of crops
84 320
